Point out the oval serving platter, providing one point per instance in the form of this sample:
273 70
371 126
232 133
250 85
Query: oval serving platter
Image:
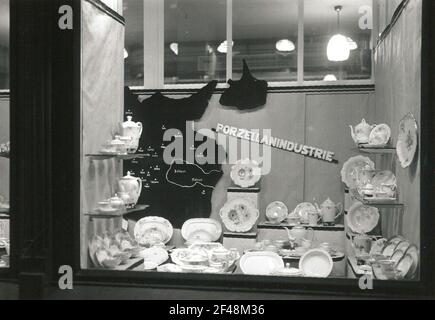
261 263
151 230
201 230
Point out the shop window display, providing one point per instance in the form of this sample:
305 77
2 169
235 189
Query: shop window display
312 185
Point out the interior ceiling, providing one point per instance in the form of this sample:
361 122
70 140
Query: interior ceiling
197 20
4 22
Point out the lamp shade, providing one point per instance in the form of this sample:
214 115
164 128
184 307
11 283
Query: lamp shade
285 45
330 77
223 47
338 48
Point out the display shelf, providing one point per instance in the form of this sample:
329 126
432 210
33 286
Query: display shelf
99 215
383 203
254 189
378 203
377 150
129 265
5 155
319 227
350 235
102 156
355 268
335 258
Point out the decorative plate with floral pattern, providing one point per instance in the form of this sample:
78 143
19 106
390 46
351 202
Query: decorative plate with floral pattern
245 173
153 230
407 141
380 135
277 212
349 172
239 215
362 218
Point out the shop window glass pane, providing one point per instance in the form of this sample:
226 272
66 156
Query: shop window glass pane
134 56
265 33
321 24
4 135
4 44
193 31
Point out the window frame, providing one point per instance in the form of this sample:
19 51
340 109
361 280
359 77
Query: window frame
155 8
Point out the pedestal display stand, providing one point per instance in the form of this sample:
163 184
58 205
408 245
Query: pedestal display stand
245 240
251 194
239 241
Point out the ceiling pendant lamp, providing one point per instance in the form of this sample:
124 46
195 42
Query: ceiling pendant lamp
338 46
285 45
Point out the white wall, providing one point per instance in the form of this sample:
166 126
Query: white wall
398 91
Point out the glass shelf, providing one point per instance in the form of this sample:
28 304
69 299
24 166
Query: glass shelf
378 203
4 155
100 215
103 156
318 227
377 150
383 203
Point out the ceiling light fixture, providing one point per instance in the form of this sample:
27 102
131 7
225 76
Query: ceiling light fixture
125 53
338 46
174 48
285 45
330 77
223 47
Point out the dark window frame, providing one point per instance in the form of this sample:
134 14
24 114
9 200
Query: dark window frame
57 207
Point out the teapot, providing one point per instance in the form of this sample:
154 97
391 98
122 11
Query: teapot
133 130
117 202
329 211
131 186
298 233
361 132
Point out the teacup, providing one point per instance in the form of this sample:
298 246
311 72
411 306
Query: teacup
306 244
280 243
328 247
271 248
300 251
266 243
104 206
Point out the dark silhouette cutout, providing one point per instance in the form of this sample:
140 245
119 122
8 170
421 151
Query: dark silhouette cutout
245 94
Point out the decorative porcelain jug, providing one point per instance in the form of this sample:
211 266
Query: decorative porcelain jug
361 132
133 130
329 211
298 233
131 186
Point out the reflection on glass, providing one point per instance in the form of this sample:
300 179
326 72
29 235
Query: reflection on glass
330 36
194 30
134 28
265 34
4 44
